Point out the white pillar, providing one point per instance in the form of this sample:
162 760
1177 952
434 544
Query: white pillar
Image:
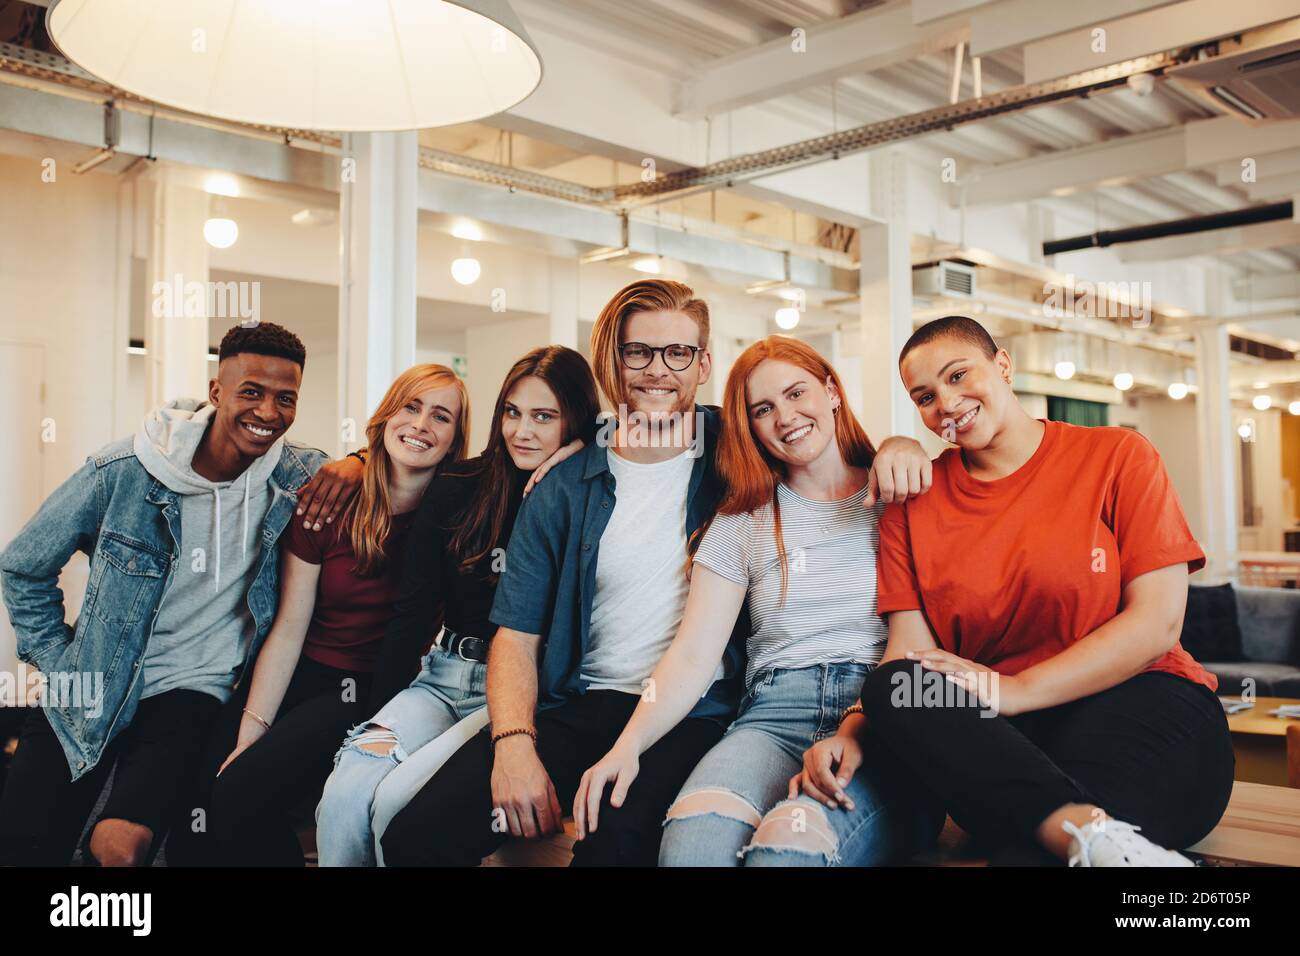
1216 447
177 320
377 257
886 306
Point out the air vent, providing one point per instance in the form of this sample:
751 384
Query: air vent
1255 78
946 278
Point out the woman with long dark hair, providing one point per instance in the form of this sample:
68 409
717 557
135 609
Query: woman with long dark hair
794 537
546 409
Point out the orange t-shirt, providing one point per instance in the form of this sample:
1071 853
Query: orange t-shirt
1011 572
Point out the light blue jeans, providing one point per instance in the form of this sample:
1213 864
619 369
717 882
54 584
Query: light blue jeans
733 811
424 724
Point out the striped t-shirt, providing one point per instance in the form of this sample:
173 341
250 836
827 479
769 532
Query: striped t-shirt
829 615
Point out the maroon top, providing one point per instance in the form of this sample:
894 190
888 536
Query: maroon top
352 612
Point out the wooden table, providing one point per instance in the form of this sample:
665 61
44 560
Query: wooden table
1259 741
1260 828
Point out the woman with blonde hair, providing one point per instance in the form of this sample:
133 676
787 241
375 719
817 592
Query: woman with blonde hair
795 536
310 683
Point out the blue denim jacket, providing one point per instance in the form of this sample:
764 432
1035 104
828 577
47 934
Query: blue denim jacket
550 570
129 524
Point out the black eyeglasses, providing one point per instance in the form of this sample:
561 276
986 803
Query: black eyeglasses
637 355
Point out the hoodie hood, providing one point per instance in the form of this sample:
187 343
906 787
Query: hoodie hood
165 446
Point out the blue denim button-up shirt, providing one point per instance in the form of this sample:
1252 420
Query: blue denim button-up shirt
129 524
550 570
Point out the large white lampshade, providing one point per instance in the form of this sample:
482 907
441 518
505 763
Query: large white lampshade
346 65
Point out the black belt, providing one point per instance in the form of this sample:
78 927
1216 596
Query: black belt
462 645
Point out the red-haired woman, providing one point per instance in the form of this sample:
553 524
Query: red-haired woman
795 537
337 590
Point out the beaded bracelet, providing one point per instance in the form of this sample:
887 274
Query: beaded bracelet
514 732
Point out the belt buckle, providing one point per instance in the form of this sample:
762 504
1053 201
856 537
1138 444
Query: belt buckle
460 650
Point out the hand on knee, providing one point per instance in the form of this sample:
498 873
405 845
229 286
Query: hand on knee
120 843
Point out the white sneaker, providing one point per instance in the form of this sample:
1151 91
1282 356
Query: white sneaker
1116 843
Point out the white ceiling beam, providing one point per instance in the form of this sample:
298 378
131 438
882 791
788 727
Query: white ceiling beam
1225 139
1275 189
861 43
923 11
1119 162
1219 242
1166 28
1012 23
1263 288
1266 167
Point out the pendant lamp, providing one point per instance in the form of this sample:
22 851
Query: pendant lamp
342 65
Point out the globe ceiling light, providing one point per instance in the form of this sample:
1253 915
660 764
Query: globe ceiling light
1064 370
466 271
220 233
1124 381
1177 391
787 318
307 64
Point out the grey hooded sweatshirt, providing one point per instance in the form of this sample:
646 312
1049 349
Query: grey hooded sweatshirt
204 627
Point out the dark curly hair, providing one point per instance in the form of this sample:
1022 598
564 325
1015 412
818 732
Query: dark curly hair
264 338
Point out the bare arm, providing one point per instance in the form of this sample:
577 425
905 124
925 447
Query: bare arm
521 787
685 671
1147 626
279 655
679 680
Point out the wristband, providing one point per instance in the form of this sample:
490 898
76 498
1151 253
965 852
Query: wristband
514 732
257 718
848 711
357 455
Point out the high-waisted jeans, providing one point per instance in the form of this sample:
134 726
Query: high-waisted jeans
424 724
733 811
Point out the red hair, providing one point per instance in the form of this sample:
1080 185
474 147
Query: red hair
749 472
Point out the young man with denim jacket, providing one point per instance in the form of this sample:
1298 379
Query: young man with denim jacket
592 593
181 524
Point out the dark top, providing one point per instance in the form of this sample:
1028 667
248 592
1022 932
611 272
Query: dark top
550 576
352 613
433 590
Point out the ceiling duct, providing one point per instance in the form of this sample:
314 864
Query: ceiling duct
1254 77
947 278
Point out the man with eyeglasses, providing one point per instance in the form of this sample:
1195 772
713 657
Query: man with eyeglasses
592 594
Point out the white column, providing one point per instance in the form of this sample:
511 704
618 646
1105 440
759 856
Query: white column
1219 503
377 257
886 307
177 320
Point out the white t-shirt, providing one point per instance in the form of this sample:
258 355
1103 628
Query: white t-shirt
641 583
829 614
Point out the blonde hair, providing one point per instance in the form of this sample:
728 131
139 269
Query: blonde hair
644 295
371 510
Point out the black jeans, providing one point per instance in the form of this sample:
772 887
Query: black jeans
1153 751
248 813
43 811
449 822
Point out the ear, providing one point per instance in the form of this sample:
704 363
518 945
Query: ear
1003 362
214 392
833 392
706 366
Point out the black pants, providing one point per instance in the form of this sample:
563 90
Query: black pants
1153 751
43 811
248 813
449 822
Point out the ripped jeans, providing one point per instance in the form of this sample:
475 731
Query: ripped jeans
733 811
424 724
